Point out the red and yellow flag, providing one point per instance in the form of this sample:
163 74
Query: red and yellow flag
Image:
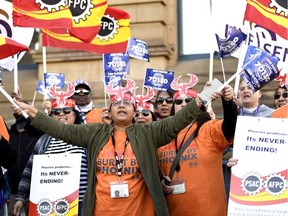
86 18
3 129
112 37
9 47
268 14
41 14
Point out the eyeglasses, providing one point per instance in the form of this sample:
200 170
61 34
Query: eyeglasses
145 113
180 101
65 110
125 103
168 100
83 91
278 95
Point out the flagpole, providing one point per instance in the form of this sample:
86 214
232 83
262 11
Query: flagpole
44 72
223 71
15 74
104 83
34 96
211 51
211 54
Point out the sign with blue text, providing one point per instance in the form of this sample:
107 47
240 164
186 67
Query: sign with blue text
259 180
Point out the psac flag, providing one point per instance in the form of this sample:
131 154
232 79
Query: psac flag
86 18
9 47
159 79
116 65
138 49
40 87
235 37
54 78
112 37
259 68
41 14
269 14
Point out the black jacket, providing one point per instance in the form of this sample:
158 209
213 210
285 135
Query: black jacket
7 157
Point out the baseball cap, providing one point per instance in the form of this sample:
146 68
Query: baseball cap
81 82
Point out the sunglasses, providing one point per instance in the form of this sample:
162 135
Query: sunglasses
65 110
145 113
125 103
278 95
168 100
83 91
180 101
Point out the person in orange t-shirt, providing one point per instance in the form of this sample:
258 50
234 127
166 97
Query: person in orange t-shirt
197 186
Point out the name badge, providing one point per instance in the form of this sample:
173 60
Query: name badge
178 186
119 189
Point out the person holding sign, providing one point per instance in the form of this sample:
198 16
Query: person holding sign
63 110
192 162
121 155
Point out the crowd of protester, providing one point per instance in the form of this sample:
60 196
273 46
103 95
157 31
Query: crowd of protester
147 132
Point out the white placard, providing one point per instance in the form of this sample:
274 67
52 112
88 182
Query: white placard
259 183
55 184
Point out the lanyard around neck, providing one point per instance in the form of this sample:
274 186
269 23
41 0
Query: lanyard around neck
177 150
119 163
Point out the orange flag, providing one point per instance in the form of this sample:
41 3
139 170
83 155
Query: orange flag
41 14
3 129
86 18
269 14
112 37
9 47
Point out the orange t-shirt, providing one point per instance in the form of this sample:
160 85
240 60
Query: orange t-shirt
139 201
3 129
201 169
94 116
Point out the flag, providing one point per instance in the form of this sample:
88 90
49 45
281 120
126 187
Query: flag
86 18
14 33
259 68
54 78
269 14
41 14
9 47
235 38
112 37
40 87
116 65
159 79
138 49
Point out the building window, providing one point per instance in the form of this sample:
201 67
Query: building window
194 35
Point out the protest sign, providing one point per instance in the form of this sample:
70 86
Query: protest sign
55 184
259 180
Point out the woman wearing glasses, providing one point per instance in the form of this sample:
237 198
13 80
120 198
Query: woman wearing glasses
144 108
193 182
281 95
63 110
164 103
